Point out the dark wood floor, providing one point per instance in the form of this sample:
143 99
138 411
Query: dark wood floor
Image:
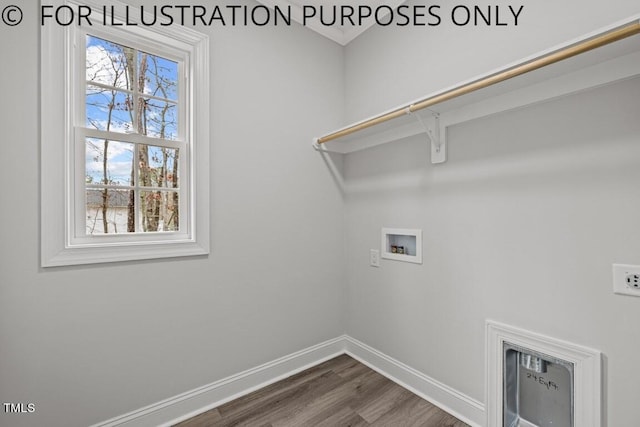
338 393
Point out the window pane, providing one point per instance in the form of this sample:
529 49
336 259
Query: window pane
110 211
109 110
159 118
158 167
108 162
159 211
109 63
161 76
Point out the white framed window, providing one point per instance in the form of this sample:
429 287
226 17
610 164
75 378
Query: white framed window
125 142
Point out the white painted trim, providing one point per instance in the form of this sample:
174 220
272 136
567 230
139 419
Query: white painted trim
339 34
191 403
385 250
583 79
59 247
607 64
587 371
450 400
332 33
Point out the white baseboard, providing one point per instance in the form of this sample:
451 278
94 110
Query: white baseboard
202 399
452 401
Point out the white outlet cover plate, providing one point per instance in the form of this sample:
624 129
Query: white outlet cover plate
374 258
620 273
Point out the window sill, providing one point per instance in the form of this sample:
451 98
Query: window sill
119 253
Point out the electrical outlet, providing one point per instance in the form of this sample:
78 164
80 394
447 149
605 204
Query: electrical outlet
626 279
633 281
374 258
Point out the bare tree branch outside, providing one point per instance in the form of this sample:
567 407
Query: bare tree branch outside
131 187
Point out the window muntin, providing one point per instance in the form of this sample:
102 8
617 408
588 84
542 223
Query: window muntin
131 185
129 90
71 181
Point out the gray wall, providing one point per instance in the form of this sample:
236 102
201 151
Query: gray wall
523 222
389 66
88 343
521 225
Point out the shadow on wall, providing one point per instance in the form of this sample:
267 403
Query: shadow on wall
558 140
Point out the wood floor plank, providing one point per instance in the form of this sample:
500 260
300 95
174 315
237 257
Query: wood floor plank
209 418
275 392
412 412
383 400
343 417
342 364
282 406
366 387
348 367
320 406
276 396
341 392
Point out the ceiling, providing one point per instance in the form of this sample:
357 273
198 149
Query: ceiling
338 33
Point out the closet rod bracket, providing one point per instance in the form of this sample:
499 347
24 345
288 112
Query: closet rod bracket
321 148
433 129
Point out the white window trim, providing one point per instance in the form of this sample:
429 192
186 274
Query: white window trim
77 197
59 246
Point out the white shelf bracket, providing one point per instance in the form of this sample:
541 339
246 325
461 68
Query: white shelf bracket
435 133
321 148
316 146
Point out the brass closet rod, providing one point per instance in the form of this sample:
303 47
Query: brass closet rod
614 35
